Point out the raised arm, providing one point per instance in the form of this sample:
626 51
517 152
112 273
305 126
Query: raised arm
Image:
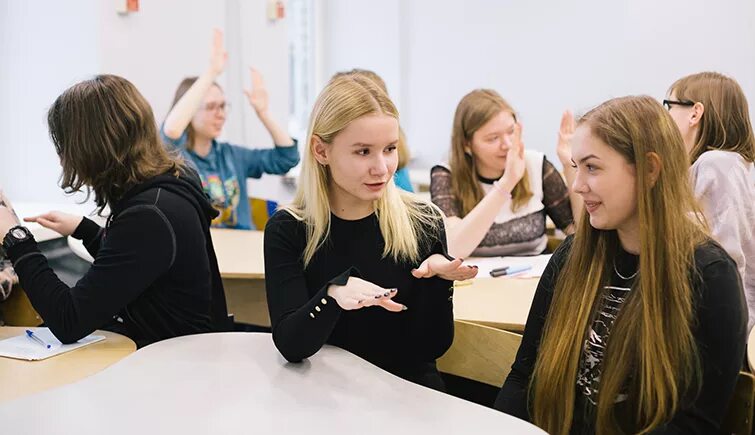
260 102
180 116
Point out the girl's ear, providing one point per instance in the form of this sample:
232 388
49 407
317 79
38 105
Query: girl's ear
319 150
655 163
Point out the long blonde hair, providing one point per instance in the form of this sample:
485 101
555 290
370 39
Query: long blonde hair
725 124
651 349
401 216
403 149
474 111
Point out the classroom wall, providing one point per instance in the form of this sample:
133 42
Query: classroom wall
47 46
543 57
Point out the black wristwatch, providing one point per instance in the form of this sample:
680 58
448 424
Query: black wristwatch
16 235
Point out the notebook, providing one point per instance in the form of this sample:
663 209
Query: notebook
23 347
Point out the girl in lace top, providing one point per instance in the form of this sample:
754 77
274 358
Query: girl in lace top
494 193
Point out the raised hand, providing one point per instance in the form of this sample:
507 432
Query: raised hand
62 223
218 55
565 134
515 164
440 266
257 95
358 293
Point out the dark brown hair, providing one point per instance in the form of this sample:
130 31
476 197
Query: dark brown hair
106 137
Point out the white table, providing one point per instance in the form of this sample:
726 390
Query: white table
239 383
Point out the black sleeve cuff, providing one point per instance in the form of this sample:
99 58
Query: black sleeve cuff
87 230
22 250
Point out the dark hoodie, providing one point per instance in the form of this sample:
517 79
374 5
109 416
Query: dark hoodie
155 275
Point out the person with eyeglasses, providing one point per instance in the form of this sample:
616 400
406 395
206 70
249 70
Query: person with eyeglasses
712 114
193 125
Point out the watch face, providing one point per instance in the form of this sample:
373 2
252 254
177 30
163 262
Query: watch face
18 233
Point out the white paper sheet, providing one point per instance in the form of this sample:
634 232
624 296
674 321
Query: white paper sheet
23 347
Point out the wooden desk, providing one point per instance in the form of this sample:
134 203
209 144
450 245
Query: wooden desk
751 350
239 383
502 303
22 378
239 252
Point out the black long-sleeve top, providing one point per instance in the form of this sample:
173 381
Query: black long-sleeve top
719 331
304 317
153 274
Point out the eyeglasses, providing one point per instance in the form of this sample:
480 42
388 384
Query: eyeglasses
668 103
213 107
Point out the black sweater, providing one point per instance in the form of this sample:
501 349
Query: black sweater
720 335
304 317
154 275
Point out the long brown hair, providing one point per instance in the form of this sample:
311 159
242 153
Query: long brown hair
106 137
651 350
180 91
403 149
725 124
474 111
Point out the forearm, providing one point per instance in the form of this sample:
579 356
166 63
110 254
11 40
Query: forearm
180 116
279 135
465 235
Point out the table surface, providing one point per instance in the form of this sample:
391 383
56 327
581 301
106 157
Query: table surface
239 252
21 378
502 303
238 382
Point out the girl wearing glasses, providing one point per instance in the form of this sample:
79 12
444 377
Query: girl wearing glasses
196 120
355 262
711 112
494 193
638 324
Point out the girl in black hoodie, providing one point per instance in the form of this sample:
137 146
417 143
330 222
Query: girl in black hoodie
155 275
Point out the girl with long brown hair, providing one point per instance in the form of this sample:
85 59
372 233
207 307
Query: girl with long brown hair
638 323
154 274
712 114
494 193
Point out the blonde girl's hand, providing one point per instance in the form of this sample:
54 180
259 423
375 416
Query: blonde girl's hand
442 267
358 293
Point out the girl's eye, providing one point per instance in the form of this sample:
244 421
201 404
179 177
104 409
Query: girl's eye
363 152
591 168
391 149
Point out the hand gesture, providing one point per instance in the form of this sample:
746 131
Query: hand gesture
257 95
358 293
218 55
440 266
62 223
565 134
515 164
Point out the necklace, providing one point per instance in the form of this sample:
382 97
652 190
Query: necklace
625 278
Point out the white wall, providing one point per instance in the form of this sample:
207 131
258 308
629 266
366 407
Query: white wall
543 57
46 46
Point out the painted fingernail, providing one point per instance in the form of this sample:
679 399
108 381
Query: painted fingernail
378 296
386 293
393 290
359 302
404 308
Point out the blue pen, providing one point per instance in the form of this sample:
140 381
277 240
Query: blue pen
34 337
511 271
